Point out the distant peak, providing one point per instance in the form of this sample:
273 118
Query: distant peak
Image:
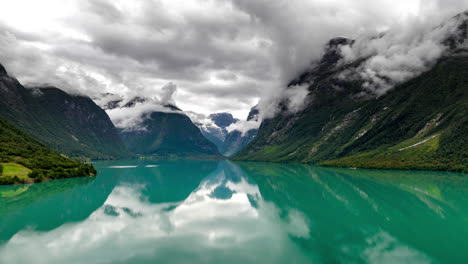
134 101
223 120
225 115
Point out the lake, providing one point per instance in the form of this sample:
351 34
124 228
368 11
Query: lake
188 211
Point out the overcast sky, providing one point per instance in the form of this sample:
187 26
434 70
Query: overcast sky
221 55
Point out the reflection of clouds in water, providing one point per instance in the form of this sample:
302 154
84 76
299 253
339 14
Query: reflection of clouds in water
128 228
224 219
383 248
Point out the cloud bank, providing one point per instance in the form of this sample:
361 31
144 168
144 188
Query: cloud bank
402 53
223 55
129 115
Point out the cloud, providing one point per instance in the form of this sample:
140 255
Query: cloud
400 54
298 32
296 97
224 53
128 228
132 118
168 92
204 122
244 126
227 76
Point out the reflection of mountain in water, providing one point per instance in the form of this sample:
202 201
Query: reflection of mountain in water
215 222
46 206
381 214
30 205
212 212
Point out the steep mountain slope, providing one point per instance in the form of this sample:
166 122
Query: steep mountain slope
24 159
228 142
73 125
420 124
168 134
236 141
217 132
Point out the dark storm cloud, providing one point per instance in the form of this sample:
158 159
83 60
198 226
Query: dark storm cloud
177 46
223 55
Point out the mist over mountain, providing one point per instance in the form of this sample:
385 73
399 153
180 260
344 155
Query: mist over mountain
227 54
214 127
233 131
360 52
152 127
400 106
229 134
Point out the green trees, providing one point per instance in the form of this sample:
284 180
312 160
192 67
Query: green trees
1 169
44 163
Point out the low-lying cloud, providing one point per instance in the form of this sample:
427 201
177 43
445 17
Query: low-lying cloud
244 126
400 54
131 117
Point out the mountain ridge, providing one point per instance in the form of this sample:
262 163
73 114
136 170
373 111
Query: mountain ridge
73 125
419 124
229 142
31 161
166 134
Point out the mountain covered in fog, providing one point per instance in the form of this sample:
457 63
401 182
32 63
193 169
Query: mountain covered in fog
71 124
400 106
216 131
159 130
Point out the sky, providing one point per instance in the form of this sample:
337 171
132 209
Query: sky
212 55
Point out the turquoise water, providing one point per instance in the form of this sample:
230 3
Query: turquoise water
225 212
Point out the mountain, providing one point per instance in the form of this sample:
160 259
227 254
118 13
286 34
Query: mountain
216 132
228 142
167 134
71 124
235 141
223 120
23 159
419 124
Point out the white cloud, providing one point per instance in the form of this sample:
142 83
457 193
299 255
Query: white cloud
201 226
168 92
402 53
223 55
296 97
132 118
244 126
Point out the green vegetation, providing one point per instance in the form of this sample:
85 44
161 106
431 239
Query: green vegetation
169 135
70 124
421 124
24 160
14 169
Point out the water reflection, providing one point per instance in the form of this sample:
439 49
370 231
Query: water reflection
373 216
210 212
